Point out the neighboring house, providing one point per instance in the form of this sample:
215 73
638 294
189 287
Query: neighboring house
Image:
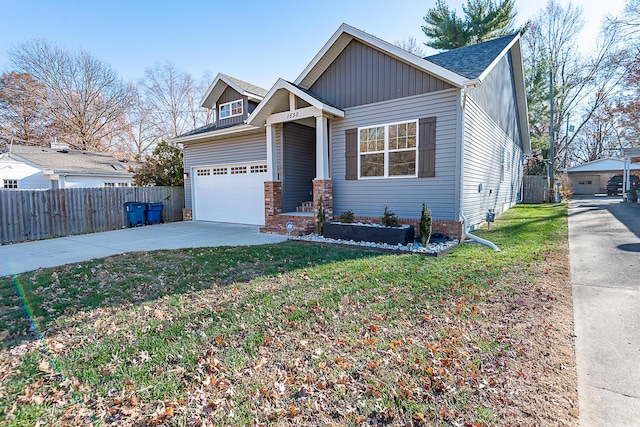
365 125
591 177
34 167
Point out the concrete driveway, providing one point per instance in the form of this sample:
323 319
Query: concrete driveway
604 245
21 257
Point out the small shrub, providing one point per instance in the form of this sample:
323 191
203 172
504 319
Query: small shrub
566 190
389 218
425 224
346 217
321 216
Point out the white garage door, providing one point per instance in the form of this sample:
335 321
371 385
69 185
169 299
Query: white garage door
230 193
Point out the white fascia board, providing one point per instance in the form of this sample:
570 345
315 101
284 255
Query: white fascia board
283 84
499 57
215 133
521 94
208 103
407 57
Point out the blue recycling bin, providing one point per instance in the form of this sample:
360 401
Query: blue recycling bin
135 213
154 213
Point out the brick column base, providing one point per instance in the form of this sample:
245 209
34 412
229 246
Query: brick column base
187 214
323 188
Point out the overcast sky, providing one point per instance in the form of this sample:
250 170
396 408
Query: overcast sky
256 41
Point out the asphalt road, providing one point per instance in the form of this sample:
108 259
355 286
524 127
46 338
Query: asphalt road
604 246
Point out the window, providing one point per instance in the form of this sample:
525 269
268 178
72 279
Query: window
123 184
109 184
238 170
388 150
230 109
220 171
203 172
258 168
10 184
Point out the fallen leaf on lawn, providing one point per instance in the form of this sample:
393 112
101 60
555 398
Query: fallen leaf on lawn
45 366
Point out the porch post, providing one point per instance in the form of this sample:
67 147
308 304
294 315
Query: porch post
272 156
322 148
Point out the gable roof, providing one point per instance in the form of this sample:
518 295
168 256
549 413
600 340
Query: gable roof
603 165
278 99
72 161
222 81
343 36
474 60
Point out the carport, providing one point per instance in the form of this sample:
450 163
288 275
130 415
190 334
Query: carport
591 178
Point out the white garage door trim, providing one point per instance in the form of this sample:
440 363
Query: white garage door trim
232 192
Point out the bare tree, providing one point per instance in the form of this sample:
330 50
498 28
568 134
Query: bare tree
21 108
85 99
173 97
411 45
582 85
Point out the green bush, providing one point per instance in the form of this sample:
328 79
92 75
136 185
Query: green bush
346 217
425 224
389 218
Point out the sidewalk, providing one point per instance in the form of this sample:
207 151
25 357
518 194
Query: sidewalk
20 257
604 247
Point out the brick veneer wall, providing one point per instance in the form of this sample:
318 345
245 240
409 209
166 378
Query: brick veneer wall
187 214
324 188
451 229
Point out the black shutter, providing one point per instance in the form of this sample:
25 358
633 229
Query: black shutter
427 147
351 154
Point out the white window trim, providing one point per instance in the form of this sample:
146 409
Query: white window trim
230 104
386 151
8 184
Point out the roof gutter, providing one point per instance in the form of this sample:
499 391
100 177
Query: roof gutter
465 231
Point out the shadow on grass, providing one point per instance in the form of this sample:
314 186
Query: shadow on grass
32 301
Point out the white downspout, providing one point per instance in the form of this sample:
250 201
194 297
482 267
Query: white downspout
465 231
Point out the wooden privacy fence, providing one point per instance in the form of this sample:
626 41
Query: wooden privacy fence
42 214
535 189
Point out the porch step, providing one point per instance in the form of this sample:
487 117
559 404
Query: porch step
305 207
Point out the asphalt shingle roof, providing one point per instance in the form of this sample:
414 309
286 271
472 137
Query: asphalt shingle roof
68 160
257 90
471 61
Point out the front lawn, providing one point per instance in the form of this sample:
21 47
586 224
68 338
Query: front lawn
298 334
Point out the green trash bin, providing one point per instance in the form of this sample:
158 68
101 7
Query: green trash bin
154 213
135 213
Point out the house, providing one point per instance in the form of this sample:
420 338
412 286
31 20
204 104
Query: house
591 177
364 126
37 167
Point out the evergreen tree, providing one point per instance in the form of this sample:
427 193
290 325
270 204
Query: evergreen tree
163 167
484 20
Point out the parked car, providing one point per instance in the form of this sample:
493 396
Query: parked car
614 185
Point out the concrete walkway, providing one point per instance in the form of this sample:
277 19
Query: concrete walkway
21 257
604 245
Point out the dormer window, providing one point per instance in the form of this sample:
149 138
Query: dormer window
230 109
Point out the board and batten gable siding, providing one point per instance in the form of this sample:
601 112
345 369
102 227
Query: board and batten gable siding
364 75
229 95
497 97
404 196
235 149
484 142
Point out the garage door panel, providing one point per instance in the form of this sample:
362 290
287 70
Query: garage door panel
230 197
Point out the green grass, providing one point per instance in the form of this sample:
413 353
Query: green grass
263 334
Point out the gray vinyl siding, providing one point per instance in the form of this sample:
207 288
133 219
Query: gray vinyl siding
404 196
363 75
229 95
238 149
299 165
497 96
484 140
